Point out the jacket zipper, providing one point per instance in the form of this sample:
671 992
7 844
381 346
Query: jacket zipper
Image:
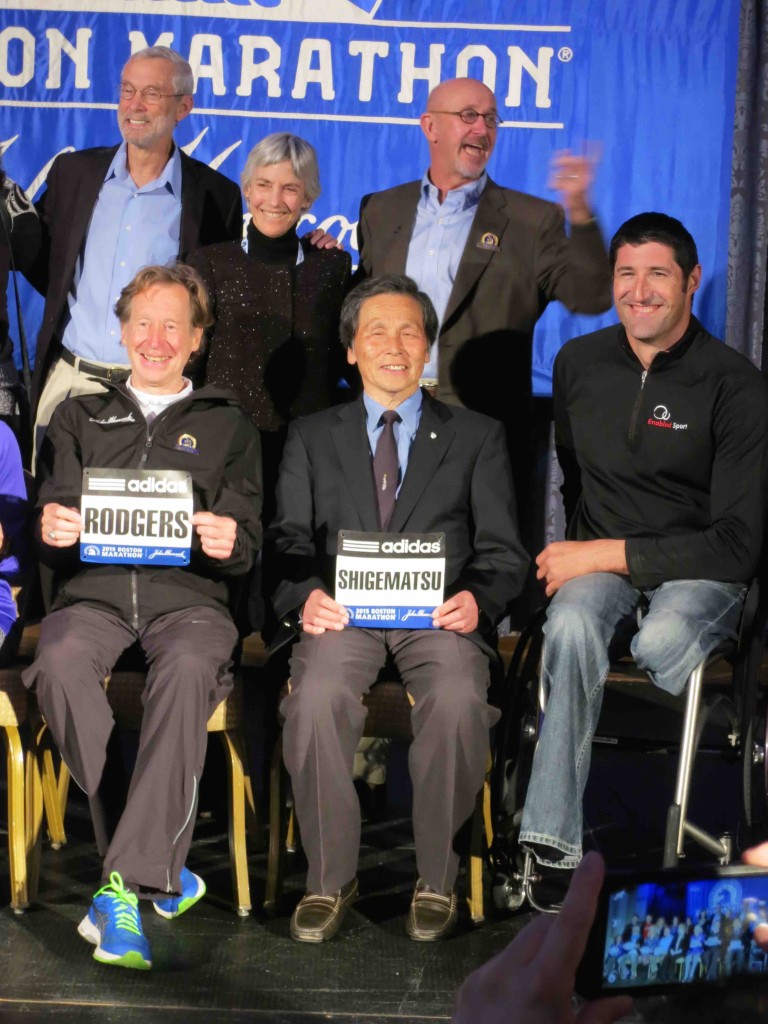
636 408
134 572
142 461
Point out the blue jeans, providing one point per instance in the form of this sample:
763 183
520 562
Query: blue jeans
586 619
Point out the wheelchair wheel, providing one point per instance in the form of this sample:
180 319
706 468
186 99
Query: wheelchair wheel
755 769
516 736
505 853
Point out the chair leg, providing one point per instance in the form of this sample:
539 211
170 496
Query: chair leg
55 804
17 825
55 790
34 820
237 845
277 816
63 790
292 837
480 824
251 817
487 797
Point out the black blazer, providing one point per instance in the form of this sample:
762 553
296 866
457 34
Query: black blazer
211 211
458 481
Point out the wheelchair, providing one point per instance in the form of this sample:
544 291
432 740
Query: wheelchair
724 691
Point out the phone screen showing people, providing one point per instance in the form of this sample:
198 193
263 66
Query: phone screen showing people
682 931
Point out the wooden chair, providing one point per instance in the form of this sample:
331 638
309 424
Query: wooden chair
389 716
14 713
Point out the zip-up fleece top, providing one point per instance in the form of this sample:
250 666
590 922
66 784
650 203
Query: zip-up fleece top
673 460
108 430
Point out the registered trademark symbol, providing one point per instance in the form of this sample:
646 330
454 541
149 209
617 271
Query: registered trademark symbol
565 53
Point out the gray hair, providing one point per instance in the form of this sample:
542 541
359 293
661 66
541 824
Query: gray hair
279 147
183 79
385 284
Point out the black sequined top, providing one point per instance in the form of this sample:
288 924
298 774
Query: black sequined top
275 342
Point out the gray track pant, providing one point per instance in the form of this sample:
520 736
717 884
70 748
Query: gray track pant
189 655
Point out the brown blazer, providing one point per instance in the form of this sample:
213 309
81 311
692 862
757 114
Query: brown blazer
499 293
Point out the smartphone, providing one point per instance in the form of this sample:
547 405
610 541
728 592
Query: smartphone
676 927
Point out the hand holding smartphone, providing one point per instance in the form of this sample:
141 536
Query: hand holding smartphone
531 981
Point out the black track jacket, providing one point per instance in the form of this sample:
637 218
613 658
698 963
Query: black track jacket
108 430
674 461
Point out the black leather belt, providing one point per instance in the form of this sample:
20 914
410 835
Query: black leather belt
110 373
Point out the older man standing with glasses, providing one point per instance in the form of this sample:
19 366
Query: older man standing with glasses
489 258
106 213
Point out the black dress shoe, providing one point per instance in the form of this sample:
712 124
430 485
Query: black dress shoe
432 915
318 918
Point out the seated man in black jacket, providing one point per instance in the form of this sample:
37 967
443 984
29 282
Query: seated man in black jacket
662 435
171 593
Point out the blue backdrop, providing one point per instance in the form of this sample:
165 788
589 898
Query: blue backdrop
649 85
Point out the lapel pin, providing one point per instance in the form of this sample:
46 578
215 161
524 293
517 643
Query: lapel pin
433 435
489 241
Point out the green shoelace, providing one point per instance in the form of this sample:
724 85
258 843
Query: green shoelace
127 912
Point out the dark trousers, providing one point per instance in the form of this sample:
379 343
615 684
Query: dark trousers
188 654
447 675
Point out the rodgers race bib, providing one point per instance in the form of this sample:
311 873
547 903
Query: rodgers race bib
136 515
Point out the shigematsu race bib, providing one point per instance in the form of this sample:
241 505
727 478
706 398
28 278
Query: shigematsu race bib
136 515
390 580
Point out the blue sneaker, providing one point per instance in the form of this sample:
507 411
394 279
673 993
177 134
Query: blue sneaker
192 889
113 925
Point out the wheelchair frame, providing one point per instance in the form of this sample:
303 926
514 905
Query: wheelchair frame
514 871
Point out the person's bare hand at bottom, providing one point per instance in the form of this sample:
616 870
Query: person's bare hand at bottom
531 981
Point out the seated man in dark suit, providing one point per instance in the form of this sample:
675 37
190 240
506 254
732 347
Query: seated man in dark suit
171 594
451 473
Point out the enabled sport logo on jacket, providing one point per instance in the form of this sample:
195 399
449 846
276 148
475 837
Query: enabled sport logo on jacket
663 418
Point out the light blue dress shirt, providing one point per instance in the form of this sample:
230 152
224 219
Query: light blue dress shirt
130 228
437 243
405 431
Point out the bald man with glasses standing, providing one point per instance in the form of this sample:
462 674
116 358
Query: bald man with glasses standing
489 258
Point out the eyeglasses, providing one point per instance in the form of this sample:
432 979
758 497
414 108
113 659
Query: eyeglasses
150 95
470 116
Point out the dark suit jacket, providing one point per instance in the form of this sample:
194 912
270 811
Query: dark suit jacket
211 211
498 295
458 481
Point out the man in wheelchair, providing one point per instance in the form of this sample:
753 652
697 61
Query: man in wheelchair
662 433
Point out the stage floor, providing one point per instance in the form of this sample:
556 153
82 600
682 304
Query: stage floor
212 965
